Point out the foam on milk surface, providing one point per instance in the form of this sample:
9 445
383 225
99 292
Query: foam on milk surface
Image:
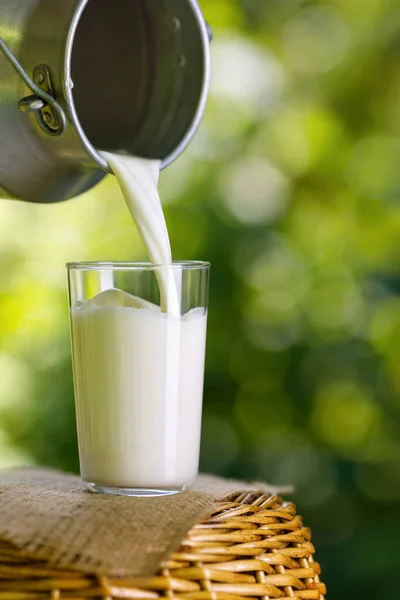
115 298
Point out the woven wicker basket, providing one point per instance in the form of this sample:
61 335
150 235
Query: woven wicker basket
253 546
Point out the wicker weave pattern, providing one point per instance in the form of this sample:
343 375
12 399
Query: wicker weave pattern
253 546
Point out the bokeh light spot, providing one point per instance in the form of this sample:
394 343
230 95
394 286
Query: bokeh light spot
254 190
346 416
245 73
373 167
315 40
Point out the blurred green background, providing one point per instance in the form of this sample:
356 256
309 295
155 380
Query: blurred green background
291 190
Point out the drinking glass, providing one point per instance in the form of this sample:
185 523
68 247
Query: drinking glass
138 335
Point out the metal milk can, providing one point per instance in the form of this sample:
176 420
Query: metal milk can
79 76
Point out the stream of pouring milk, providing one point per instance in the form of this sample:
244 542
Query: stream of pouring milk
138 180
139 368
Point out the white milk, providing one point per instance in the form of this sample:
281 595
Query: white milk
138 387
139 368
138 179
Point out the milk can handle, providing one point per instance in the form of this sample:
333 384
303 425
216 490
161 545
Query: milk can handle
40 99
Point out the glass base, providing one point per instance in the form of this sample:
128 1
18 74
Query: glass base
136 492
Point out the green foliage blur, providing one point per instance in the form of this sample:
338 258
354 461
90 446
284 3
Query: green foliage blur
291 190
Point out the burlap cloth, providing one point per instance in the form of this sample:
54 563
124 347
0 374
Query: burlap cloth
51 516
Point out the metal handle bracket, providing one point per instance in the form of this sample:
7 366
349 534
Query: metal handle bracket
50 114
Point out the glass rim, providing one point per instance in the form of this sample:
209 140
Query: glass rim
136 266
